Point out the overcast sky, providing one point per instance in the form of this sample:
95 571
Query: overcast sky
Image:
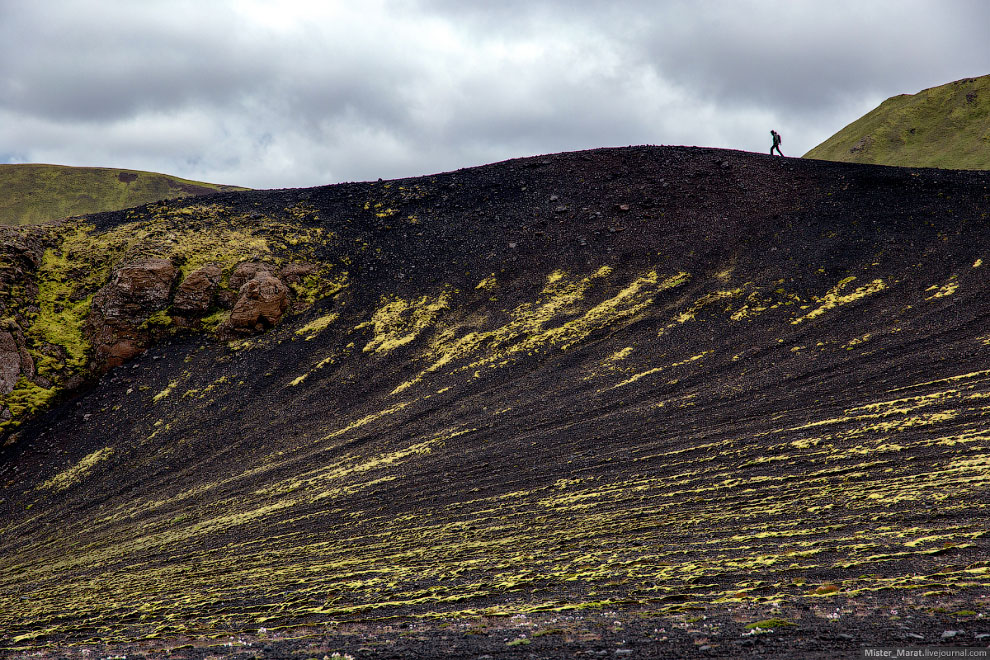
283 94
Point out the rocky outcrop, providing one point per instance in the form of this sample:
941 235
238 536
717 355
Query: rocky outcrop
296 273
195 295
10 362
123 323
248 271
260 303
21 251
118 325
15 360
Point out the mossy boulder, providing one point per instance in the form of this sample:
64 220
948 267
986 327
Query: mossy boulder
118 321
196 294
260 304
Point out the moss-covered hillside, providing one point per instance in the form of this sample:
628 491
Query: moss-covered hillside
646 402
946 126
31 194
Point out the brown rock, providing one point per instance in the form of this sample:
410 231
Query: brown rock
260 303
136 290
226 298
10 362
116 325
295 273
15 360
247 271
195 295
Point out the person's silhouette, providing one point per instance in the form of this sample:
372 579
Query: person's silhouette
776 142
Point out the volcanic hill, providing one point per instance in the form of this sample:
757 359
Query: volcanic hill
41 193
946 126
643 402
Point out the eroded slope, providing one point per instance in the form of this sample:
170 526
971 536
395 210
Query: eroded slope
672 381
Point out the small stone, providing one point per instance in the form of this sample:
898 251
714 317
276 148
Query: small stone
949 634
561 209
914 636
845 637
623 652
705 647
554 198
623 207
982 636
512 246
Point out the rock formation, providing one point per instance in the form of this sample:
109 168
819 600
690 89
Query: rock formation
196 293
118 322
261 302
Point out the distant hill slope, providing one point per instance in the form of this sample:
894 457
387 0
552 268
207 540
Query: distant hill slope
946 126
35 193
648 400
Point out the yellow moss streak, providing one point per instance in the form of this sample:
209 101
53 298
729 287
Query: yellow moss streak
316 326
488 284
853 343
656 370
946 289
702 302
951 379
553 320
835 298
367 419
398 322
26 398
165 392
60 319
618 355
77 472
611 363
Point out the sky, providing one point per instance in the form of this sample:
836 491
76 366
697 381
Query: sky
270 94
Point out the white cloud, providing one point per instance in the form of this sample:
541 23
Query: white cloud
270 94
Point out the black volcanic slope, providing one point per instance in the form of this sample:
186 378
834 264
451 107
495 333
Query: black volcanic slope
625 400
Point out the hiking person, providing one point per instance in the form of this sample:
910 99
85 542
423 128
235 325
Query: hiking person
776 142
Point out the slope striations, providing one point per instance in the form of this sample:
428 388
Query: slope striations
946 126
619 400
41 193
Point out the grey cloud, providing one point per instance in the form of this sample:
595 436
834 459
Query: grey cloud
805 60
277 94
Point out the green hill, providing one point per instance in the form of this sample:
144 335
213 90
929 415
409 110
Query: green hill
946 126
39 193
